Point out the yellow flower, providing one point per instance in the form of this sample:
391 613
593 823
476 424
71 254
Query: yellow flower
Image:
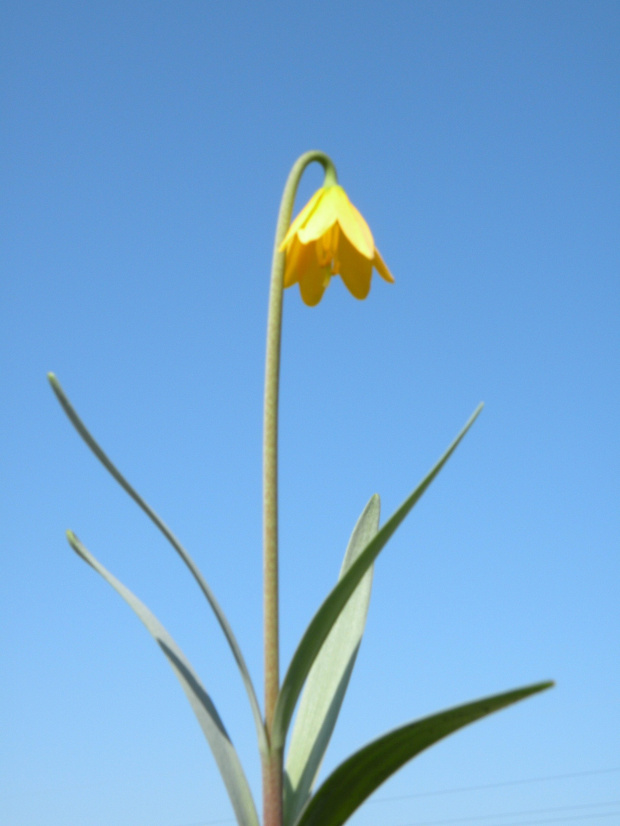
330 237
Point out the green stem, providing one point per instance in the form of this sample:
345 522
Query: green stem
272 762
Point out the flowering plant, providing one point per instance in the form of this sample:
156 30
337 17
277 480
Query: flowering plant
329 237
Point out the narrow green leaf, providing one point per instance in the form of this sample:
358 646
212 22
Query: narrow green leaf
329 676
206 713
79 425
359 776
328 613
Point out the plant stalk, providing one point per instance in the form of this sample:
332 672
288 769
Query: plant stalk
272 762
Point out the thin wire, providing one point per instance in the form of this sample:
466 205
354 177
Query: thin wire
563 819
479 788
494 785
522 812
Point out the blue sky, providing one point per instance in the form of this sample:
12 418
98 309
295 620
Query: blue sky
143 152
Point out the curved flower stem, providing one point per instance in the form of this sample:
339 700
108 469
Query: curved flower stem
272 762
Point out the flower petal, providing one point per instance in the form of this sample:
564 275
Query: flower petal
296 261
356 229
327 249
302 217
381 267
323 217
313 285
354 268
304 267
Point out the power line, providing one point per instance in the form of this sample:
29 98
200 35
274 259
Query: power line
521 813
495 785
460 789
563 819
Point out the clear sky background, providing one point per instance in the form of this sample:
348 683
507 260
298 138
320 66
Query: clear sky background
144 147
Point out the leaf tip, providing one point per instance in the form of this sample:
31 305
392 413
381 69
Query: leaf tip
473 417
77 546
75 543
55 384
543 686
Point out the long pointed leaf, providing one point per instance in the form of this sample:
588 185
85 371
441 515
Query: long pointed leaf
359 776
329 676
79 425
328 613
210 722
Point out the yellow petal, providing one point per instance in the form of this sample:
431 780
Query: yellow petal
355 269
313 285
355 227
381 268
327 246
295 262
323 217
303 267
302 217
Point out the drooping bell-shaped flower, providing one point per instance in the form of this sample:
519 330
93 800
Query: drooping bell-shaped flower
330 237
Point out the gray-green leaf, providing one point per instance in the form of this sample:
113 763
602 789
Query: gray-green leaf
98 451
206 713
359 776
328 613
329 676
